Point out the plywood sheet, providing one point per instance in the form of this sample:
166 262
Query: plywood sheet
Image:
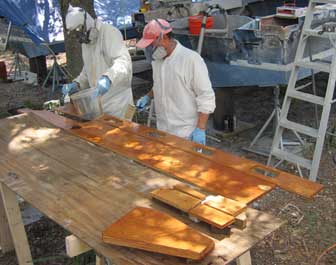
155 231
84 188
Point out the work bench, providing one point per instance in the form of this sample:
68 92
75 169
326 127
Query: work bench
84 188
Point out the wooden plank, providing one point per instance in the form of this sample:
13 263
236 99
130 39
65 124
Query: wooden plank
16 226
75 247
190 191
212 216
84 188
225 205
175 198
177 163
155 231
282 179
193 206
6 242
218 202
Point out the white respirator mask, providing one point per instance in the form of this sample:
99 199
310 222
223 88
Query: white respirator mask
159 53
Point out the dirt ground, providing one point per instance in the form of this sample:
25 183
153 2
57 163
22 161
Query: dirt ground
311 224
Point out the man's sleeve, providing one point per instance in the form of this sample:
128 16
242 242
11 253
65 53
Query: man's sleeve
205 96
120 70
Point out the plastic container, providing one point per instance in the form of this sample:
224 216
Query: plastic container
195 23
87 104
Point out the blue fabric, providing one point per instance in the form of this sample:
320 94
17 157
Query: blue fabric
41 20
116 12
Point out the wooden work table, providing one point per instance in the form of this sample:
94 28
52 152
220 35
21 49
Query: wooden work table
84 188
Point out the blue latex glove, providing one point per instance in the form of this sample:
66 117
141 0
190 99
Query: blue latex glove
69 88
142 102
103 85
198 136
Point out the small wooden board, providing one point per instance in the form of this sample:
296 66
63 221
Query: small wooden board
194 207
176 198
151 230
212 216
190 191
218 202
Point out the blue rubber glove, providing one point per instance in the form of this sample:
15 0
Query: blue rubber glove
142 102
198 136
103 85
69 88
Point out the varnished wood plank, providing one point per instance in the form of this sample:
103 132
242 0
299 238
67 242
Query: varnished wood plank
190 191
218 202
176 198
226 205
84 188
282 179
177 163
16 226
212 216
155 231
193 206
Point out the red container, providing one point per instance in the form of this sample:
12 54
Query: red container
195 23
3 71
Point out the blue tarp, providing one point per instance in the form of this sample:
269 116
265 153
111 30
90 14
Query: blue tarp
42 20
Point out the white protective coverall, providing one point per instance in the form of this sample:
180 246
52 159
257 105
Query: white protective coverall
182 89
107 56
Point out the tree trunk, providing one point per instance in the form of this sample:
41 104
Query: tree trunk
72 46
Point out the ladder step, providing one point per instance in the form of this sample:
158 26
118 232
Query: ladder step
292 158
323 1
306 97
299 128
315 33
317 66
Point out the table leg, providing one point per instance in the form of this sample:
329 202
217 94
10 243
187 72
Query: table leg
99 260
244 259
6 242
16 226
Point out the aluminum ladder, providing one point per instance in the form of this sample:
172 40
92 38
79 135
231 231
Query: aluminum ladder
293 92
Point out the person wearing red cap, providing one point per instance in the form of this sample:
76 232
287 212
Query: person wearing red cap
182 91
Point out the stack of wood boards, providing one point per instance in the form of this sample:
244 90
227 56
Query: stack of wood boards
217 211
155 231
213 170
